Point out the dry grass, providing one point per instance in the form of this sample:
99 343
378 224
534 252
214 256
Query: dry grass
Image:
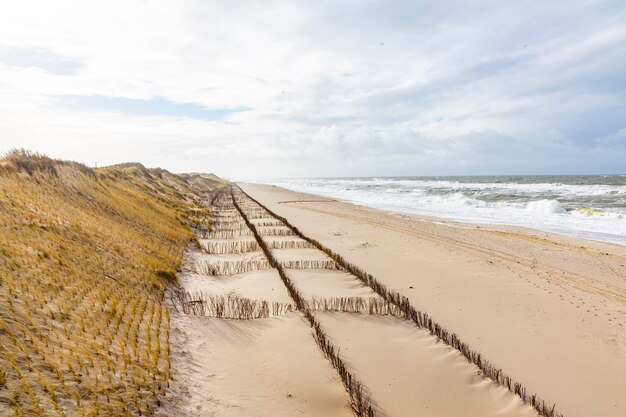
22 160
85 257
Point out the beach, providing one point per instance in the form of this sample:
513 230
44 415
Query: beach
316 209
548 309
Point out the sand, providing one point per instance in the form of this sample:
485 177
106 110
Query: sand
549 310
328 284
228 257
409 374
274 230
308 254
383 348
263 285
266 221
263 367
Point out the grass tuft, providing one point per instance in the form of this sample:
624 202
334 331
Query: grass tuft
31 162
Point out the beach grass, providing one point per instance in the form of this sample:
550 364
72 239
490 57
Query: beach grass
85 258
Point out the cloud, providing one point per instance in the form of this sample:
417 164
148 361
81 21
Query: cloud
318 88
155 106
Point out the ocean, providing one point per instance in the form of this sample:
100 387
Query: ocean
590 206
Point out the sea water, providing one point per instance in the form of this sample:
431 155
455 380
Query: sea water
592 207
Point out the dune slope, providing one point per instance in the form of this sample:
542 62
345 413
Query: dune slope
85 257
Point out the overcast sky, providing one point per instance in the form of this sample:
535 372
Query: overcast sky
319 88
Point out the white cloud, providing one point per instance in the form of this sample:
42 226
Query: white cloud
335 88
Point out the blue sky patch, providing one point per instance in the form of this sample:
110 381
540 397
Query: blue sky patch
39 58
155 106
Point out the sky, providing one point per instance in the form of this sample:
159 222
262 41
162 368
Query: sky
257 90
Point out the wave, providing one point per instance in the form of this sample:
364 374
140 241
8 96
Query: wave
546 207
597 212
592 210
458 186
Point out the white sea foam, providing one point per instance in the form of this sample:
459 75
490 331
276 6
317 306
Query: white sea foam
546 207
582 206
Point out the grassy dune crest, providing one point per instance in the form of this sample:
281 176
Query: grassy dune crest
85 257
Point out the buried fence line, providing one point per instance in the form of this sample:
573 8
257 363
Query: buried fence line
225 211
268 223
223 233
363 305
224 214
229 267
289 244
226 307
217 194
360 401
227 221
221 247
310 264
276 232
228 246
258 215
219 225
424 320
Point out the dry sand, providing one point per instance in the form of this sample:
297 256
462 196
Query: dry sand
404 369
261 367
409 374
263 285
248 256
306 254
243 368
549 310
328 284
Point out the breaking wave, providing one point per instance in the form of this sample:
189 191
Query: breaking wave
592 207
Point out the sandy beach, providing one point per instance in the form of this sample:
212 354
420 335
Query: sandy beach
549 310
294 304
316 209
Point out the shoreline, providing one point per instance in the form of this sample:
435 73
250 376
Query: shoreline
452 222
448 217
549 309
